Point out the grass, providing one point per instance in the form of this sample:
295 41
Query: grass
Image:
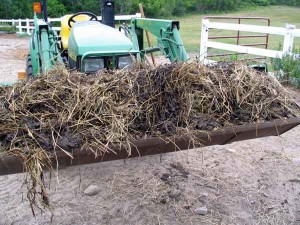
8 29
280 15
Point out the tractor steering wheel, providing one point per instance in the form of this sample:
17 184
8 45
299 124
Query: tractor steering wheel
91 15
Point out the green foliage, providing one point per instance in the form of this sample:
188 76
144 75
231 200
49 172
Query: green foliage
262 2
55 8
153 8
22 7
16 9
11 29
156 8
179 8
289 2
125 7
288 68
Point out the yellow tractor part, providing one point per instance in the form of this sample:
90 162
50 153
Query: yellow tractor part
65 29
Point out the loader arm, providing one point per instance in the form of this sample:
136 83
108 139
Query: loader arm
44 51
168 38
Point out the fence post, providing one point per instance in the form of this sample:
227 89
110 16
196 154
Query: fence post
13 22
27 26
20 26
288 39
203 43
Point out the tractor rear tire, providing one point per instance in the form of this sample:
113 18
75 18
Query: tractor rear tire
29 69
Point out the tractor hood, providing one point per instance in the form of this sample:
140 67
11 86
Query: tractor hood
92 36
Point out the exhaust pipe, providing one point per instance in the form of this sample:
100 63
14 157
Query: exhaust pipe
108 13
45 13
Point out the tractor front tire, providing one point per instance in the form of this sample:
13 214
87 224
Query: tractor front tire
29 69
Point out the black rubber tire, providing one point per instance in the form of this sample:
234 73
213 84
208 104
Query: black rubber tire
29 69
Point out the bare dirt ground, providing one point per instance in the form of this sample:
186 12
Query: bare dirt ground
13 56
249 182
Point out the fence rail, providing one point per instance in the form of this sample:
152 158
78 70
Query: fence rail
26 25
289 32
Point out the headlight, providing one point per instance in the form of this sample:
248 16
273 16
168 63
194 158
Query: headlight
124 61
93 64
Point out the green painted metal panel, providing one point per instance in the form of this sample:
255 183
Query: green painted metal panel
154 26
2 84
176 46
44 51
34 48
167 34
91 36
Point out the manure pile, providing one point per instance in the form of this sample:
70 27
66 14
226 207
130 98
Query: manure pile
66 111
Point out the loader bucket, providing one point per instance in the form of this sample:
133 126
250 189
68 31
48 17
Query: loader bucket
151 146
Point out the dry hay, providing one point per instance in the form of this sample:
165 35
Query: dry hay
65 111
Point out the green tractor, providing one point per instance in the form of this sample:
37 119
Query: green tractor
88 45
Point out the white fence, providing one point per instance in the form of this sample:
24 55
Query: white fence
289 32
26 25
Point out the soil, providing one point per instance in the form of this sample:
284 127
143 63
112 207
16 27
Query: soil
249 182
13 52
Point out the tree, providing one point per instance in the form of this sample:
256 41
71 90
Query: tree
179 8
191 5
5 9
124 7
153 8
21 9
156 8
55 8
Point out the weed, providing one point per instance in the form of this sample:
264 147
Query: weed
287 69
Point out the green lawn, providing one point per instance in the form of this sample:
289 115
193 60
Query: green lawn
279 15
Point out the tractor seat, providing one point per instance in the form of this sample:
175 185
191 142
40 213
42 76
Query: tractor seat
66 30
